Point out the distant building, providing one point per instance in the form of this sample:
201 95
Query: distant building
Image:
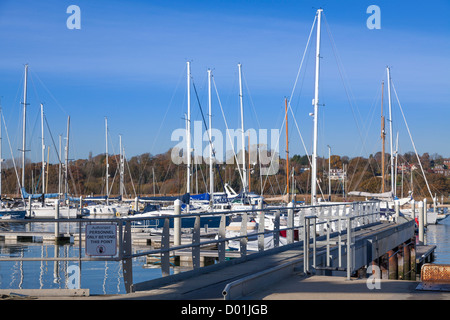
406 168
337 174
442 168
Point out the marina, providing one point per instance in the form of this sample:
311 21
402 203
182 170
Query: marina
171 226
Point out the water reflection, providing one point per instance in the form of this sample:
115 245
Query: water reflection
439 235
100 277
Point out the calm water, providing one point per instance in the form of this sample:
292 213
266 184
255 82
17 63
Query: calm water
99 277
439 235
102 277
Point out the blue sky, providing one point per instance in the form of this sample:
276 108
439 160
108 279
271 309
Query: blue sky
128 63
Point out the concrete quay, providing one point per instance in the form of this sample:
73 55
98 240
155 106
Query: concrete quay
299 287
294 287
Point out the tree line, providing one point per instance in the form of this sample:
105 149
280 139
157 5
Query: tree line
148 174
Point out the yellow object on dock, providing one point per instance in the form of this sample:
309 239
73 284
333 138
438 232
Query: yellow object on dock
435 277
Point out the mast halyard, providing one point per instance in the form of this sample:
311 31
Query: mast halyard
316 111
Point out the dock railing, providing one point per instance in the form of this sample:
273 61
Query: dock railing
340 224
289 226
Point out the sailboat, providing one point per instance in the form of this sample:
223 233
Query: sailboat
268 238
47 205
105 207
41 209
245 199
8 209
387 199
191 203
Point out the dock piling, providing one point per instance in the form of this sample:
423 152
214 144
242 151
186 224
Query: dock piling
406 261
56 217
177 223
421 223
393 270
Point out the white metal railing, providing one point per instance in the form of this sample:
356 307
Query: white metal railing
342 224
317 223
326 219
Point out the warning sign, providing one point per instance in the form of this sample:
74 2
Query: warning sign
101 239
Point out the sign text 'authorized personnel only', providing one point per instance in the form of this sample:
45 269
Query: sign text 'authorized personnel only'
101 239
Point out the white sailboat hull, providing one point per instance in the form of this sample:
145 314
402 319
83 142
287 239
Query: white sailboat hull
107 209
50 212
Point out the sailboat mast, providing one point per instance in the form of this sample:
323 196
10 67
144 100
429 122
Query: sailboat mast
43 149
48 161
395 171
249 171
1 151
24 124
383 137
107 160
154 182
211 172
121 167
316 113
287 147
66 167
188 130
390 129
59 168
244 169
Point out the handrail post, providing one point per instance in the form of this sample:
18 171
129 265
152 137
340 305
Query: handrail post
306 245
127 261
397 210
30 212
276 229
56 218
328 240
222 235
425 220
421 223
349 243
290 223
373 212
177 223
261 226
196 243
243 234
165 245
314 240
